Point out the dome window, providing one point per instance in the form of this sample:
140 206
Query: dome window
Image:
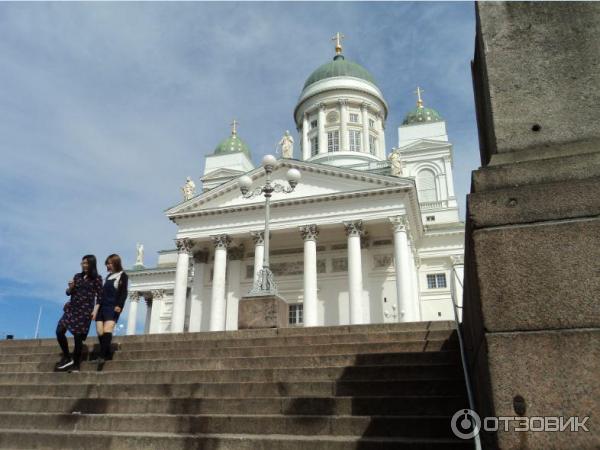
333 141
372 144
353 118
314 146
354 141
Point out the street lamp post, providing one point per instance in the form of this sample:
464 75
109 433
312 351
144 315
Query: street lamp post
264 284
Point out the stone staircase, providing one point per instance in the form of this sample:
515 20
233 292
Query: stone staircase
388 386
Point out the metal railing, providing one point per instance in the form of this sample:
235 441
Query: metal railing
463 355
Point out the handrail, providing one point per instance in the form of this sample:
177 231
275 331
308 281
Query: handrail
463 355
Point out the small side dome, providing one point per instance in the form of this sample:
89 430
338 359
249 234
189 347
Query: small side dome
421 114
232 144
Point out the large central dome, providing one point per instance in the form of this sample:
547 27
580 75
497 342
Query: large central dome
339 67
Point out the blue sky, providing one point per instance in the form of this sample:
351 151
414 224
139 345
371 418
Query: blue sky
105 108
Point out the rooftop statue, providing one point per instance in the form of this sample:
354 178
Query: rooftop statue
286 144
188 189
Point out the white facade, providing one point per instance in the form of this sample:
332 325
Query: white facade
351 244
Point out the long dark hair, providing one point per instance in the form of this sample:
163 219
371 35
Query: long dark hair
92 269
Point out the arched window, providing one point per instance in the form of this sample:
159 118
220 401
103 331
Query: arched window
426 186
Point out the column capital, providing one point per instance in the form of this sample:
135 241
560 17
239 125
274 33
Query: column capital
184 245
258 237
134 296
354 228
458 260
306 115
221 241
364 106
309 232
343 102
158 294
201 257
399 223
321 106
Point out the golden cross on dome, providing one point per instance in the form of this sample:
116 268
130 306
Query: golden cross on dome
234 125
338 42
419 91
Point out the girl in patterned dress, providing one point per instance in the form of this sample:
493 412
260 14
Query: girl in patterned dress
85 290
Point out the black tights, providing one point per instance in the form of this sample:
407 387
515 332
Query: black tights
61 337
105 340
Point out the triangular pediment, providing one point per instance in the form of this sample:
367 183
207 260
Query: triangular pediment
424 144
221 173
318 180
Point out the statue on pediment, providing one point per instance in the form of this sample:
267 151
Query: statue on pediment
286 144
139 259
395 164
188 189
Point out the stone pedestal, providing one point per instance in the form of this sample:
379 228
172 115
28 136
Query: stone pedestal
531 312
270 311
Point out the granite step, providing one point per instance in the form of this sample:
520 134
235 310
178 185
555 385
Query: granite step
307 405
101 440
229 375
367 388
265 362
274 341
372 329
418 350
333 425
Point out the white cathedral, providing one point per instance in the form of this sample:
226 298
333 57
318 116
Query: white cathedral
367 235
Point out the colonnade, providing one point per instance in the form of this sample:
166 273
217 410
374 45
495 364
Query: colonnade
405 273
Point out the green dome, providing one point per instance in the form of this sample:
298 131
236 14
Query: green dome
422 115
339 67
233 144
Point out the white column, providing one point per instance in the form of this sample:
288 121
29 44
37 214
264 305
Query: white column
414 264
134 299
364 109
380 136
197 299
157 302
217 305
458 274
259 252
403 270
449 177
148 315
344 138
234 271
305 141
184 247
354 231
309 234
321 125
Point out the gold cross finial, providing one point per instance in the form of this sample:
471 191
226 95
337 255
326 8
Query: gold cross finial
338 42
234 125
419 91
